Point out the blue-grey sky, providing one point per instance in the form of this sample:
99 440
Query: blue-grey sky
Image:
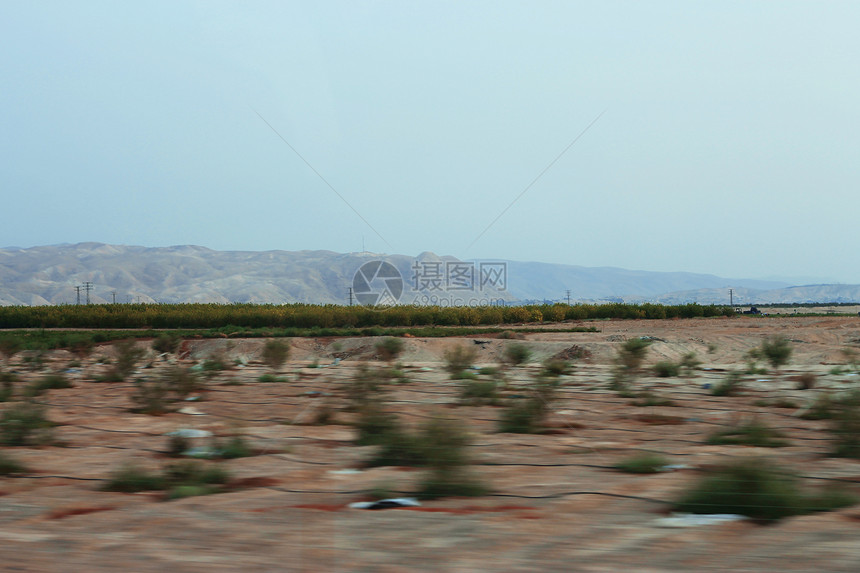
730 142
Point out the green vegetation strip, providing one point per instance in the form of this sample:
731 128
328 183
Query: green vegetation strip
307 316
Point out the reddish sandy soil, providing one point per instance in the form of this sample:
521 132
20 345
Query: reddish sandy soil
556 503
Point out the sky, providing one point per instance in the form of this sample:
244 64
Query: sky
708 137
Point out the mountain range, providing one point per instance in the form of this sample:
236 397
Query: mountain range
187 273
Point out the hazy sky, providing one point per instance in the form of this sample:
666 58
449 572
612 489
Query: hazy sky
730 142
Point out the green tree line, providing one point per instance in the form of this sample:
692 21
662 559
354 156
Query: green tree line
117 316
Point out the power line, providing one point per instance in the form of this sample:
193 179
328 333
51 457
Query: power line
88 286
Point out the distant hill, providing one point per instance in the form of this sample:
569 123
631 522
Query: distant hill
49 275
747 296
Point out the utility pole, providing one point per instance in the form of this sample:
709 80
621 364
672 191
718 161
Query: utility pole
731 298
113 294
350 296
78 292
88 286
568 297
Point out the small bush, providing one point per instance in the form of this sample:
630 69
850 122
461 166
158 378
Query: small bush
127 357
646 463
181 382
778 403
517 354
478 392
821 409
131 478
150 397
632 353
728 386
275 353
845 426
389 348
235 447
374 424
666 369
647 399
754 488
689 363
167 343
459 359
806 381
777 350
271 378
177 445
24 424
7 385
488 371
181 479
553 367
455 483
10 466
10 346
48 382
526 415
753 433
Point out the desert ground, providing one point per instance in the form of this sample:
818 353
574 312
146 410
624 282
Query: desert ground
555 502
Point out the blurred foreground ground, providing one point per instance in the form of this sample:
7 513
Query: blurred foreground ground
556 505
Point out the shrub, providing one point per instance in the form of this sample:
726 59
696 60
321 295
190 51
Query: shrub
689 363
10 346
128 355
374 423
181 381
150 397
477 392
366 386
845 426
517 354
23 424
235 447
666 369
275 353
753 433
632 354
777 350
10 466
750 487
647 399
646 463
525 415
270 378
7 385
459 359
446 454
728 386
553 367
182 479
806 381
167 343
821 409
451 483
131 478
177 445
389 348
49 382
